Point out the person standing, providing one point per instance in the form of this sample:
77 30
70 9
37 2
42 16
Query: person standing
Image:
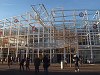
9 61
27 64
46 64
37 64
22 64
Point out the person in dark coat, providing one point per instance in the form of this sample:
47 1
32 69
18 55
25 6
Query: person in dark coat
46 64
9 61
37 64
22 64
76 61
27 63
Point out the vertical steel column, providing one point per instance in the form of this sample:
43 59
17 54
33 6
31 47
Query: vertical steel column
89 36
76 36
28 34
8 43
33 54
43 42
17 47
69 39
2 38
50 46
38 39
64 34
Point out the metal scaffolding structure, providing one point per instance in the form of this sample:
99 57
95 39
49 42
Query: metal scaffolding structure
59 34
80 30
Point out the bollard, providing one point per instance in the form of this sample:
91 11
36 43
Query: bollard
62 65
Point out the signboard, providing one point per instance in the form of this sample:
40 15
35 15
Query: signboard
81 14
94 26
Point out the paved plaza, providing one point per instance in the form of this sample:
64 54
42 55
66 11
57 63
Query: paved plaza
16 72
85 69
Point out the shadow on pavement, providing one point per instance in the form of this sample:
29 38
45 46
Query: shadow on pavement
18 72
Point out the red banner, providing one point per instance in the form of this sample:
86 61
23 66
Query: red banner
16 20
33 28
1 32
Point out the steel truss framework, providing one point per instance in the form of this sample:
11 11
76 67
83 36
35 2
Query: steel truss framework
59 34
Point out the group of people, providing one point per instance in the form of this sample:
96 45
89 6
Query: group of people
37 63
46 64
25 62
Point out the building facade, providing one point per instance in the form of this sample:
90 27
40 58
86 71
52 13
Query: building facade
59 34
